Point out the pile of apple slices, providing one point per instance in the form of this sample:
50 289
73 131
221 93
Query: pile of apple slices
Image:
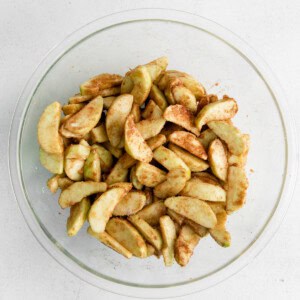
151 161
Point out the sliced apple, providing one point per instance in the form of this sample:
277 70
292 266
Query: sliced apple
185 245
149 195
204 190
156 67
240 160
79 190
193 209
98 134
189 142
156 141
150 128
86 119
116 118
206 137
48 136
168 231
107 101
102 209
185 97
149 175
133 178
130 204
170 160
115 151
152 212
179 219
135 145
195 163
54 163
174 183
64 182
141 84
78 215
70 109
152 111
237 188
230 135
136 112
217 156
106 159
52 183
199 229
127 84
92 167
78 98
217 111
158 97
100 82
109 241
150 234
122 231
181 116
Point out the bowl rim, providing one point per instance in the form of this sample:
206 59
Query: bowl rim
248 54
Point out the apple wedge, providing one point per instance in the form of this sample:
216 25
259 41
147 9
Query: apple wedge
240 160
237 188
152 111
70 109
107 101
206 137
52 183
156 67
100 82
185 97
179 219
106 159
78 98
156 141
204 190
189 142
79 190
195 163
181 116
141 84
168 232
64 182
193 209
174 183
48 136
185 245
98 134
110 242
158 97
54 163
134 179
151 235
92 167
123 232
116 118
170 160
86 119
130 204
217 111
135 145
78 215
149 175
217 156
152 212
102 209
150 128
230 135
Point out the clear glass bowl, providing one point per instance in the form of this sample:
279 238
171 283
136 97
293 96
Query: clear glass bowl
225 65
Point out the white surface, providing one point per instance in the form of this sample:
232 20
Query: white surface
28 30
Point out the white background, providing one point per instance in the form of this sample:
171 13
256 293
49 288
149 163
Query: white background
29 29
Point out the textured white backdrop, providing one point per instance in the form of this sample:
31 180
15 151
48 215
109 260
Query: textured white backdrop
29 29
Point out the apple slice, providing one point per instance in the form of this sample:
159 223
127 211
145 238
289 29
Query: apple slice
79 190
158 97
86 119
220 110
152 212
193 209
135 145
150 128
102 209
230 135
54 163
149 175
181 116
116 118
100 82
48 136
109 241
189 142
123 232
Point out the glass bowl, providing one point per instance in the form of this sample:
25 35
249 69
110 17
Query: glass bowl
225 65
